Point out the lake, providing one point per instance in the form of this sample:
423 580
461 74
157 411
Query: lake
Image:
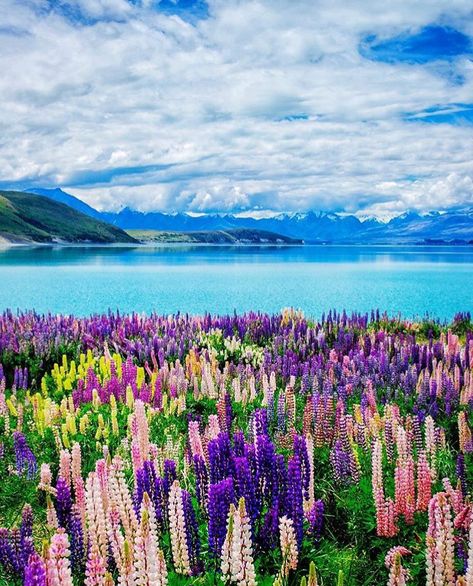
412 280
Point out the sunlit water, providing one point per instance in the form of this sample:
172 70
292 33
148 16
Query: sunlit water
412 281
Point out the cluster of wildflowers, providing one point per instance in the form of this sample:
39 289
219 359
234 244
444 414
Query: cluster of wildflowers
179 445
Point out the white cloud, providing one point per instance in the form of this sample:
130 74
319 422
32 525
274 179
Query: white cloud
147 110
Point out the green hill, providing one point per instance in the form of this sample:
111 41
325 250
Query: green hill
25 217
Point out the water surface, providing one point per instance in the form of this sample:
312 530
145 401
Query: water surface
412 280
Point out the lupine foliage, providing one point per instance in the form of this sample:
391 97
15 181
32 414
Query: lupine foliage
254 449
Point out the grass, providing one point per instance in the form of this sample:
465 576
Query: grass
25 217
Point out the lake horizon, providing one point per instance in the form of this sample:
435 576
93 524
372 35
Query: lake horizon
410 281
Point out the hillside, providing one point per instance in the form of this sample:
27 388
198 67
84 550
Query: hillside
235 236
26 217
61 196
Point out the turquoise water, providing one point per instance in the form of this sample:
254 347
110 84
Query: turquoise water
412 281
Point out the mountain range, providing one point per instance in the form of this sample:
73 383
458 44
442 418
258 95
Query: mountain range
455 226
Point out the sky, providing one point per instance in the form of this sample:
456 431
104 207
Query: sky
359 106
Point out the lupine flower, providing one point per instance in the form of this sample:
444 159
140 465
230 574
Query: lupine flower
237 550
398 576
35 571
178 530
440 545
221 495
294 506
315 516
24 457
58 568
288 543
149 565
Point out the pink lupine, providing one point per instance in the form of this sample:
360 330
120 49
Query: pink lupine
405 492
469 572
45 479
288 542
120 548
58 567
195 439
385 508
213 428
177 526
95 570
149 566
424 483
440 543
398 575
65 466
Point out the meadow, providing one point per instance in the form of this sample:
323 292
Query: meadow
241 449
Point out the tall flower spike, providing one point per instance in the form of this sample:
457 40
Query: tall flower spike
237 551
440 545
150 569
35 571
288 541
58 568
177 526
398 575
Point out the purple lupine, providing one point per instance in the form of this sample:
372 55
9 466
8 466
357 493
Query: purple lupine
244 487
63 503
35 571
26 533
201 481
221 495
9 556
192 535
294 501
315 516
220 458
300 450
25 460
268 534
238 443
341 464
260 418
461 473
170 474
265 461
76 538
157 488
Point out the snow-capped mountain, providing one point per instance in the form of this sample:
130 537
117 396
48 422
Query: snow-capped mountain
409 227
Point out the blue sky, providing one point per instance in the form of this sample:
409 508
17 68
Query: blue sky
235 105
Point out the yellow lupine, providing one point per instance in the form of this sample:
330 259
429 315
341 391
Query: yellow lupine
71 424
130 400
11 407
83 423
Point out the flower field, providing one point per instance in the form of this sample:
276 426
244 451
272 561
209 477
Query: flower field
256 449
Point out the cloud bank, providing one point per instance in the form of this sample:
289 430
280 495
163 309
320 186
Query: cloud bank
236 105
